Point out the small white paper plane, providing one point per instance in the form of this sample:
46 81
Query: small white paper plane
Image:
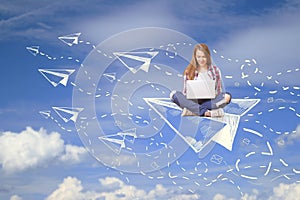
110 140
119 139
110 76
144 57
62 74
45 114
70 39
113 140
34 50
67 113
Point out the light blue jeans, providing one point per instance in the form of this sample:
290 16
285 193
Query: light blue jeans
199 106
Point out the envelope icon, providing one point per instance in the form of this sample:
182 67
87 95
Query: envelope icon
217 159
246 141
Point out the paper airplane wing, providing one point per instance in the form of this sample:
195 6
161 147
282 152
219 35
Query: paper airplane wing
240 106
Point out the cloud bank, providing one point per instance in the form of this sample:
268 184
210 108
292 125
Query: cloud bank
31 149
114 188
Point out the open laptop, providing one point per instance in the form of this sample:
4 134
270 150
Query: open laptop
200 89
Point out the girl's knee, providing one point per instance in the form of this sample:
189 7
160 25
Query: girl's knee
227 97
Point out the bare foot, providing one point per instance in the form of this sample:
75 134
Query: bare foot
207 114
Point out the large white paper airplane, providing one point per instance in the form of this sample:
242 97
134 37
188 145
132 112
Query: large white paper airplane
70 39
144 57
62 75
34 50
224 135
67 113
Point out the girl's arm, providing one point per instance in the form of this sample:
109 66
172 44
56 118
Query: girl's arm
185 78
218 81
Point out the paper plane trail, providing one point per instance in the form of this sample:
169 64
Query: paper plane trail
222 134
67 113
138 57
70 39
57 76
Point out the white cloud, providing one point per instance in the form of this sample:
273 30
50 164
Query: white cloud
158 191
30 149
111 182
281 192
96 20
286 192
71 188
219 197
114 188
294 136
134 15
250 197
15 197
289 139
272 42
222 197
185 197
73 154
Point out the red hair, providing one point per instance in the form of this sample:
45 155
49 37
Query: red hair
191 68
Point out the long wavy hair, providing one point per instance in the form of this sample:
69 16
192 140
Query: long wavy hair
191 68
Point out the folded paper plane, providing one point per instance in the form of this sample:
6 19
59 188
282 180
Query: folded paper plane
110 76
136 61
116 142
57 76
70 39
34 50
67 113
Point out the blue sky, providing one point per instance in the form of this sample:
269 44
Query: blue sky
254 43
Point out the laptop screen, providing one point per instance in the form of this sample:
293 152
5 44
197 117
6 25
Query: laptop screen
200 89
